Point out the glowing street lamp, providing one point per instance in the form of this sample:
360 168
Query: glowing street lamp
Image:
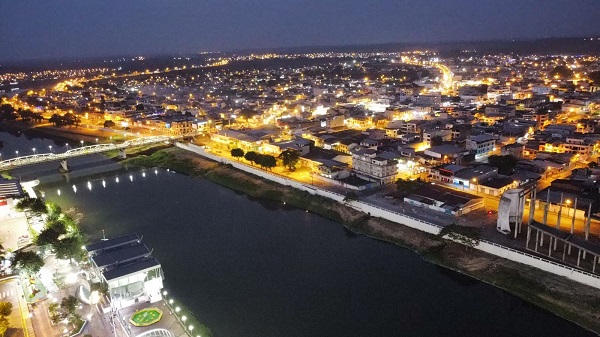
81 141
568 201
50 148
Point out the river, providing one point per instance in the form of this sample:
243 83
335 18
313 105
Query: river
249 268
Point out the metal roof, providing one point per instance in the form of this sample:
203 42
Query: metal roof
131 268
112 243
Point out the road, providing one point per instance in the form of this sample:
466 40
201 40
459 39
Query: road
10 292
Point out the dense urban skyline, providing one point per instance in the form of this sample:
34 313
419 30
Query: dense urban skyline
36 30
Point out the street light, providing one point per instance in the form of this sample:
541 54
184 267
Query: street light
33 150
81 141
476 186
568 201
50 148
17 152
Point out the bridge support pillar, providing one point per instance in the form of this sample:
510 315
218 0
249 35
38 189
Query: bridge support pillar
64 167
122 154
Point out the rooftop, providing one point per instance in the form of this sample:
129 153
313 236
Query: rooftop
112 243
131 268
10 188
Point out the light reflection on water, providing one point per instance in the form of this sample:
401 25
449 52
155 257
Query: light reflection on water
116 178
222 250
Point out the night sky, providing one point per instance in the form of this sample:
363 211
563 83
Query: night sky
84 28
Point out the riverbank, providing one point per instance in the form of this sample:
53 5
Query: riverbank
58 134
568 299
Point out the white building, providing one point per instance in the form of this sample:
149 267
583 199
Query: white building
482 144
127 267
367 163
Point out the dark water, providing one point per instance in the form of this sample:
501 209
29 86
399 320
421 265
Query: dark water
248 269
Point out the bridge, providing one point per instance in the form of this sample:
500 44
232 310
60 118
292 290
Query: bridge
80 151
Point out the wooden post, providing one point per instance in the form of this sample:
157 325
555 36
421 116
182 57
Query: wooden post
528 237
550 247
594 265
564 250
537 238
578 256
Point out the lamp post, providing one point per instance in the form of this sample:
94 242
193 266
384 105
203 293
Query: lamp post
81 141
50 148
476 186
17 152
568 201
33 150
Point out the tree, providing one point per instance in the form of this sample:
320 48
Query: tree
69 304
57 120
28 262
26 115
38 117
3 325
290 158
407 187
35 205
268 161
468 236
505 164
71 119
69 248
251 156
48 236
436 140
5 309
7 113
109 124
237 153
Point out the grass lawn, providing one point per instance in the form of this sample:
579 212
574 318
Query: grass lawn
34 289
146 317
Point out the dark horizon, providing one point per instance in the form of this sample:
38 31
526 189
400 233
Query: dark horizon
376 47
43 30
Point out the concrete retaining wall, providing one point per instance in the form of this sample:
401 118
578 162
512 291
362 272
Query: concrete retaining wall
372 210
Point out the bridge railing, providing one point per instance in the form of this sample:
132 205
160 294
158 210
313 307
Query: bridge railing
80 151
